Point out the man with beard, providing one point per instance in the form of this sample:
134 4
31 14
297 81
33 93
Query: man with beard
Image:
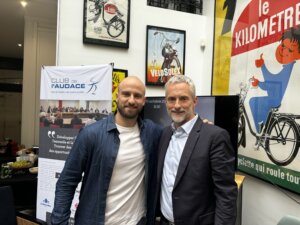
115 160
195 171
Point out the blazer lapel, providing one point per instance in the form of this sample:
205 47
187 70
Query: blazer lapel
188 150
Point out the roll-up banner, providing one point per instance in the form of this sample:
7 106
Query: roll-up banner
71 97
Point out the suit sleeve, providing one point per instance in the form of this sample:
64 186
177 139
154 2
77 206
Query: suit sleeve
222 159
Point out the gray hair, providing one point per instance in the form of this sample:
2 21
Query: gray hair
182 79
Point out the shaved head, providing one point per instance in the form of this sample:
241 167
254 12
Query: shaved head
130 101
132 81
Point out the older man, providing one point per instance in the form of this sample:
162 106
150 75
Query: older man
195 174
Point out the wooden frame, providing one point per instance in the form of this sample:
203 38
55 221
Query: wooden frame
106 23
165 54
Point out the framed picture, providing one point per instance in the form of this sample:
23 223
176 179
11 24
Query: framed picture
165 54
106 23
117 76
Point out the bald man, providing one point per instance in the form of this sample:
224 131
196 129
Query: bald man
115 159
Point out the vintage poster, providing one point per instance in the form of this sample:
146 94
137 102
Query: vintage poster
165 54
71 97
264 70
224 11
117 76
106 22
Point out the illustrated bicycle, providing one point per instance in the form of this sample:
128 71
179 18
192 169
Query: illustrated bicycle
170 54
115 26
279 136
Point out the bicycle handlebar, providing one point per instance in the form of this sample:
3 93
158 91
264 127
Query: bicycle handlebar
99 1
167 40
164 37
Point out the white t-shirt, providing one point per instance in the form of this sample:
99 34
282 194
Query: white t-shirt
125 202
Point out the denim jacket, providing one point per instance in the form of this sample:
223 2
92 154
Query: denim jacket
92 160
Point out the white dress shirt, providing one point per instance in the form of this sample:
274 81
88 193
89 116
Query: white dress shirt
172 159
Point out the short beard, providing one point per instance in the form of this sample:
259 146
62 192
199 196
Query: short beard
178 120
126 115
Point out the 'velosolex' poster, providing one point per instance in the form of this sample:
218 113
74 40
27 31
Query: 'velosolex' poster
262 55
71 97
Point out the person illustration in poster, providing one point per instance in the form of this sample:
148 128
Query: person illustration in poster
287 52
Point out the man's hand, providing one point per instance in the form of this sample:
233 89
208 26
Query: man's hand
259 62
207 121
254 82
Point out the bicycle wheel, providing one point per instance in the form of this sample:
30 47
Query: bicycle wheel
241 130
115 29
282 144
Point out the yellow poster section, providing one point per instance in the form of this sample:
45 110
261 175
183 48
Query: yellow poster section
222 53
117 77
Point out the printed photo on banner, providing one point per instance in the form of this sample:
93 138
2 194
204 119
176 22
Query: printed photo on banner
106 22
117 77
269 134
72 113
165 54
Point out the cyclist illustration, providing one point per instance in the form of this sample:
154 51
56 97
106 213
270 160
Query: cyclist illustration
171 64
115 26
279 136
287 52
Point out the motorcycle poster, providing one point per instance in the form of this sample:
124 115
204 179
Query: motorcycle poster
165 54
262 66
106 22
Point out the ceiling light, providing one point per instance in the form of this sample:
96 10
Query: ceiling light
23 3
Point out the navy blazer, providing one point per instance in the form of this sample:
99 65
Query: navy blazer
205 191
